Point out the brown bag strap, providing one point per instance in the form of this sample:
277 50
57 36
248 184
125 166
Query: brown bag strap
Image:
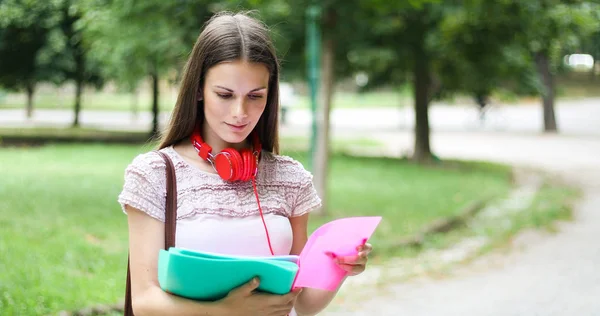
171 203
170 224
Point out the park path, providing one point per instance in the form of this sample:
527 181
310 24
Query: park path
543 274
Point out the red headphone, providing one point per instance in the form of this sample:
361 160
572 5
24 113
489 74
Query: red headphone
232 165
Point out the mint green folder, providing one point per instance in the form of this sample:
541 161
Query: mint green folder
206 276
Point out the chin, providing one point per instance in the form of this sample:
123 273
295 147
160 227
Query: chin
234 138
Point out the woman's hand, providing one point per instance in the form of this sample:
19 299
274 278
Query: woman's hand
244 300
356 264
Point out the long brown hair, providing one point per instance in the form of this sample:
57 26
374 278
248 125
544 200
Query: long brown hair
226 36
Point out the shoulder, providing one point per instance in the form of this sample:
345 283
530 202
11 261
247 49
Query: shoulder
147 163
290 175
147 169
285 169
144 185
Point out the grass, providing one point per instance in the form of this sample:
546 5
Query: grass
551 204
63 241
372 99
578 85
27 134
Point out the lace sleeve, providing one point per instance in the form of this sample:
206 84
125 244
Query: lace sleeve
145 185
307 198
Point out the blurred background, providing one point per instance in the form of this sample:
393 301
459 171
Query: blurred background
472 127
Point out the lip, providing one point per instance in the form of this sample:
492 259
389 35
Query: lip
237 127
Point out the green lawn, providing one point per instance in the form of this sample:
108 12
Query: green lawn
79 134
63 241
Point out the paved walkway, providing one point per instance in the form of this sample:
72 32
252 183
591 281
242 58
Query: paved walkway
544 274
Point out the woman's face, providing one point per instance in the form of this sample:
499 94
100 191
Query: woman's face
235 96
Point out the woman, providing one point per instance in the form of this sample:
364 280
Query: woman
228 102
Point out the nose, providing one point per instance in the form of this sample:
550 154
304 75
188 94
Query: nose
238 109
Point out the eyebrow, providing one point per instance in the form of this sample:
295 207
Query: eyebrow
261 88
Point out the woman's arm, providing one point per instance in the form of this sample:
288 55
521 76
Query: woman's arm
146 238
310 301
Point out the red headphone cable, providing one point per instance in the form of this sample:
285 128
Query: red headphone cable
262 216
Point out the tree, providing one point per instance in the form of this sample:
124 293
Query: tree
592 46
481 55
75 65
143 39
25 31
548 27
340 36
402 34
40 41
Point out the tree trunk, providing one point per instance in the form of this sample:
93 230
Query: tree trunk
155 111
321 159
135 100
30 88
543 68
421 77
79 57
78 91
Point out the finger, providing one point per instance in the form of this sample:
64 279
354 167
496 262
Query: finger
287 307
348 259
248 287
353 269
291 296
363 257
283 300
365 247
278 312
282 311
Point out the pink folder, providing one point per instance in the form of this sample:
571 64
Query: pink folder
341 237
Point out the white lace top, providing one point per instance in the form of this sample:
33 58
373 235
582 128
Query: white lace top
219 216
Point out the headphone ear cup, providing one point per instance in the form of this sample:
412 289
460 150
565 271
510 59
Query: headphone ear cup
248 166
228 164
236 163
253 163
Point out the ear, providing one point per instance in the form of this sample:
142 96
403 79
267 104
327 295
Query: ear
199 95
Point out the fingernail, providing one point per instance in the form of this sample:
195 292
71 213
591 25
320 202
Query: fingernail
331 254
364 241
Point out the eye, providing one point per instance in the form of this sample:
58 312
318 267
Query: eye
224 95
255 96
